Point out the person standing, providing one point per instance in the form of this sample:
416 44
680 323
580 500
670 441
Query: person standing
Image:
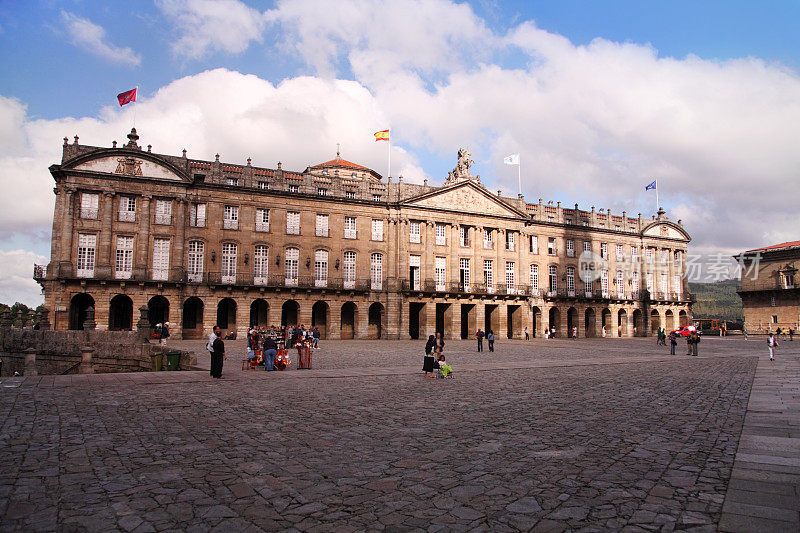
317 336
695 343
689 344
490 338
744 332
479 336
772 343
218 355
428 360
791 334
270 352
527 337
673 342
574 332
439 343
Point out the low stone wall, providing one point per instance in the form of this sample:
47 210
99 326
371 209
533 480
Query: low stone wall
59 352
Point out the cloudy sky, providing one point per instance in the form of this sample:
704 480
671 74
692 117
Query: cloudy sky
599 98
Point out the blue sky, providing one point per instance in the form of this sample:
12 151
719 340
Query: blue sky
598 97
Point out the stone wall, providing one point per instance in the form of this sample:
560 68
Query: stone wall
59 352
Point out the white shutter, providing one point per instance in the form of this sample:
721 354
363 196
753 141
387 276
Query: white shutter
123 264
229 253
322 226
292 266
160 259
320 268
195 264
376 272
260 265
87 244
440 273
349 270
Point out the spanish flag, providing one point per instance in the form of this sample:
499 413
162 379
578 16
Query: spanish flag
382 135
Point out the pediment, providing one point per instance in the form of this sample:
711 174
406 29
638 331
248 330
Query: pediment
129 165
465 198
667 230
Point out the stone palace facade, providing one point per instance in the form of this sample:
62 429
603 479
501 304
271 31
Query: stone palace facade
770 287
140 236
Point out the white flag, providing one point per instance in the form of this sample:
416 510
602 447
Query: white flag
513 159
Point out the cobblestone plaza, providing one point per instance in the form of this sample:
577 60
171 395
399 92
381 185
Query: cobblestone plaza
541 435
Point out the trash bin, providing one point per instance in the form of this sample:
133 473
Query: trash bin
156 358
173 360
304 355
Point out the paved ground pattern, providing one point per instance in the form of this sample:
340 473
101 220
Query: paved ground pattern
595 434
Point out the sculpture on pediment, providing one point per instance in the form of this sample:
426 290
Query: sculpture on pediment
129 166
462 170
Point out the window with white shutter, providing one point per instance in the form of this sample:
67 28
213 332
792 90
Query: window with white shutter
89 204
487 239
604 283
229 254
635 284
488 275
127 209
197 216
262 219
292 266
349 270
510 241
464 274
87 245
377 230
534 244
441 238
160 259
414 234
511 283
569 245
534 279
123 262
293 223
570 281
322 226
620 284
553 278
376 272
260 264
321 268
231 217
677 286
194 270
440 273
164 212
350 227
414 271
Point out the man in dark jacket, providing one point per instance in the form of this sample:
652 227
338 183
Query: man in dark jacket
218 355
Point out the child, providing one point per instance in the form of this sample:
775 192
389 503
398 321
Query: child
447 370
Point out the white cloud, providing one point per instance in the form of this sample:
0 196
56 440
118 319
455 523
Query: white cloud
208 25
92 38
16 281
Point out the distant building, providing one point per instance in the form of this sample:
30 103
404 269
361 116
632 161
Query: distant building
338 246
772 299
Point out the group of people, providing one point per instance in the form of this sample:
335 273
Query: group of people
434 358
480 335
161 332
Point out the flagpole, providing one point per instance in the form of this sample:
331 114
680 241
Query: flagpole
519 175
657 204
134 107
389 171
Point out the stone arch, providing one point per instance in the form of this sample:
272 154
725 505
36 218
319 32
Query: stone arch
590 322
655 321
637 323
669 320
120 313
536 321
259 313
192 318
348 320
78 307
622 323
572 320
290 313
319 318
605 322
554 320
683 318
157 310
375 321
226 316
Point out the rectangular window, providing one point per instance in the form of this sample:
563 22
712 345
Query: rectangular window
264 185
510 241
441 237
376 197
377 230
620 253
413 271
194 269
511 281
604 250
376 272
463 236
440 273
534 279
231 217
414 234
349 195
534 244
664 255
648 254
229 253
164 212
604 283
587 246
663 286
123 263
649 282
677 260
127 209
634 285
260 264
634 254
487 239
232 181
197 216
620 284
262 219
464 274
322 192
349 227
571 281
553 278
87 244
551 246
488 275
321 268
294 188
293 223
587 286
349 270
89 205
322 226
677 286
291 267
160 259
570 247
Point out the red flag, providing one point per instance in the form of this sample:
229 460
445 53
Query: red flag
127 97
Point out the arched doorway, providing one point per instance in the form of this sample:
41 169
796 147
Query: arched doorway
637 323
622 321
669 320
554 320
606 323
78 306
655 321
192 319
375 321
572 321
157 310
290 312
226 316
348 320
259 310
683 318
590 323
120 313
319 318
536 316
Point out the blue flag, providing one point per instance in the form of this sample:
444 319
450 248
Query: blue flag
651 186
